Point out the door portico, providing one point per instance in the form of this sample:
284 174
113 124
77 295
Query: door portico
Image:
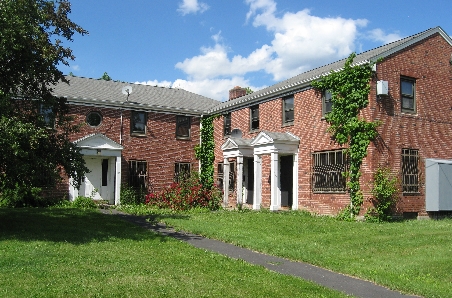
274 144
103 158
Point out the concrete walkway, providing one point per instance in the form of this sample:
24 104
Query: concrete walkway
326 278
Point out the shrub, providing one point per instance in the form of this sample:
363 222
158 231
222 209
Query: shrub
186 194
132 196
84 203
384 193
25 196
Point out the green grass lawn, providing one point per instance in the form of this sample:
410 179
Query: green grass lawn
75 253
412 256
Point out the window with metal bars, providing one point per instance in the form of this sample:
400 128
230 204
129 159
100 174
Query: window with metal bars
138 174
181 171
410 171
231 176
328 171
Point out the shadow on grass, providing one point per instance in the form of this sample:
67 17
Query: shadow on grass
67 225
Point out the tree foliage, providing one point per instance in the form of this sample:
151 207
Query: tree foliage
350 89
105 77
34 126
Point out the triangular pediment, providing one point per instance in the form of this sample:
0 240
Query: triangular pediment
236 143
98 141
267 137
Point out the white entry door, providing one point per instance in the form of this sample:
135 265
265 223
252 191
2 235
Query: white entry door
98 183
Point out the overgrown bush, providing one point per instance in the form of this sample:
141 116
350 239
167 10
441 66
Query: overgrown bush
186 194
25 196
384 193
84 203
132 196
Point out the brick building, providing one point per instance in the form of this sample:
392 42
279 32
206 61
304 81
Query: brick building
140 136
274 146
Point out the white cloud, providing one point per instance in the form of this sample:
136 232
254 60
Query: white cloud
379 36
192 6
75 67
213 88
300 42
156 83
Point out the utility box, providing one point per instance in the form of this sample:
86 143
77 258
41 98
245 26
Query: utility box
438 185
382 88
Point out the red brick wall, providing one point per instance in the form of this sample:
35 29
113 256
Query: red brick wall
429 131
160 147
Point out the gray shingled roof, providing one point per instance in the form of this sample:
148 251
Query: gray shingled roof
304 80
85 91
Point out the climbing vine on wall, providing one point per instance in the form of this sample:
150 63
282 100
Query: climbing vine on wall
205 152
350 89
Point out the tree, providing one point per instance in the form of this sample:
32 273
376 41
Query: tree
34 127
350 89
105 77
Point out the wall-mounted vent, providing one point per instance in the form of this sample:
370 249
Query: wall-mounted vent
382 88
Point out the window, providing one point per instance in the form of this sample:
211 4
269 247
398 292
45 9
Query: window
410 171
227 124
288 114
94 119
181 171
47 115
328 169
138 174
407 92
231 176
183 127
254 117
327 104
138 123
104 172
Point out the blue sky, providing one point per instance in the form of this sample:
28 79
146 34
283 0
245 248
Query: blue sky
208 46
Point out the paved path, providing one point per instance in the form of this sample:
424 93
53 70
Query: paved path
326 278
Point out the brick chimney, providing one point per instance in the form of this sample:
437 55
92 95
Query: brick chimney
237 91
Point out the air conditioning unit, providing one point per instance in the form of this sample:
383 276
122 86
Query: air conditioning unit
382 88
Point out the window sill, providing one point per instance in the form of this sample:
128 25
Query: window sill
411 194
183 138
138 135
254 130
287 124
339 192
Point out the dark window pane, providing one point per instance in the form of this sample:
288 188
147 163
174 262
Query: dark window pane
408 88
94 119
138 124
183 126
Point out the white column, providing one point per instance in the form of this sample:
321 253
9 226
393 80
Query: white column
295 183
239 180
73 192
257 195
275 188
118 180
225 182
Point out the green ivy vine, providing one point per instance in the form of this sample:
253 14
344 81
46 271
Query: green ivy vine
205 152
350 89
